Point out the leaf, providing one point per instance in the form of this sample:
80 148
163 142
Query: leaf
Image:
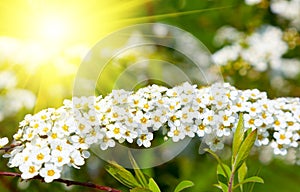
244 150
140 189
254 179
183 185
219 161
138 173
153 185
122 175
222 186
238 137
242 172
224 170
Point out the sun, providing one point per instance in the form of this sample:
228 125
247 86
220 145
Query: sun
54 28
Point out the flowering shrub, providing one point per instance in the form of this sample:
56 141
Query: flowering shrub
53 138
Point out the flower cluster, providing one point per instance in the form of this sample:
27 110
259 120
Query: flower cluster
13 99
53 138
287 9
256 49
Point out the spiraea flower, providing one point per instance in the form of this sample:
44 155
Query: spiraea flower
54 138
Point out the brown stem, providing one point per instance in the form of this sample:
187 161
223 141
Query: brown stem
6 149
230 182
67 182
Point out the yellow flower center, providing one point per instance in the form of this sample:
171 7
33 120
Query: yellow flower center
50 172
146 106
277 122
201 127
115 115
31 169
251 121
59 159
40 156
282 136
176 132
143 120
65 127
116 130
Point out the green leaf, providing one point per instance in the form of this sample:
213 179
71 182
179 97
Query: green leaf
219 161
223 169
183 185
140 189
254 179
238 137
244 150
153 185
122 175
138 173
222 186
242 172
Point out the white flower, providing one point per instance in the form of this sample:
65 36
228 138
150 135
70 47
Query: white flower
40 156
60 158
283 137
279 149
215 143
252 2
106 142
3 142
189 129
262 138
76 159
145 139
129 135
227 118
176 133
143 120
29 170
202 129
158 119
115 130
209 118
50 172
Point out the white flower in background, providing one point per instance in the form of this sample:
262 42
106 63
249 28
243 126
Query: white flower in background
227 34
288 10
8 80
252 2
50 172
227 54
259 51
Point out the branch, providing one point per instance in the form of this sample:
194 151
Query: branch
10 147
65 181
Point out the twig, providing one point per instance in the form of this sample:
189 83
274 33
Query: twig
67 182
6 149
